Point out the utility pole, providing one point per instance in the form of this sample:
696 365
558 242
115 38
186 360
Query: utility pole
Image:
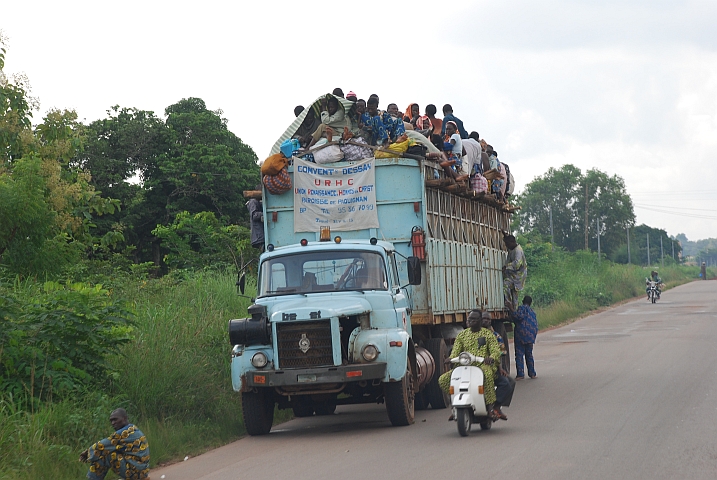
648 249
628 245
586 216
662 253
597 225
673 250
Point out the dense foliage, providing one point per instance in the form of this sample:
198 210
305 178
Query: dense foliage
571 198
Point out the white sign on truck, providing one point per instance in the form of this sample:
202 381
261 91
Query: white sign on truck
341 197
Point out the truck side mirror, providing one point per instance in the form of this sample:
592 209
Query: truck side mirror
414 271
241 282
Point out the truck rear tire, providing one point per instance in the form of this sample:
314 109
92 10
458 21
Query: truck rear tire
258 411
433 392
324 408
505 359
400 399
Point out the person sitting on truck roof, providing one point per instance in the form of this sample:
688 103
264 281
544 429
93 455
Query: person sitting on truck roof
333 116
307 127
437 123
472 156
338 92
515 272
454 139
298 109
374 131
393 122
420 122
448 116
443 159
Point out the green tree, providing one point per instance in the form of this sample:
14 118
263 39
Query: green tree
562 192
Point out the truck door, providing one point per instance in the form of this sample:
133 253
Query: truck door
400 296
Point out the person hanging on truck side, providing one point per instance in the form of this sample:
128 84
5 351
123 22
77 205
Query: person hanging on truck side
448 116
467 341
515 272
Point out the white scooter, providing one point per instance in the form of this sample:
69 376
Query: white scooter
466 391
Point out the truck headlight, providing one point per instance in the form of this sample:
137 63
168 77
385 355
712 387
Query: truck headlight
464 359
259 360
369 352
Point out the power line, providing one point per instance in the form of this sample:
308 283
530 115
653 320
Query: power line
676 208
680 214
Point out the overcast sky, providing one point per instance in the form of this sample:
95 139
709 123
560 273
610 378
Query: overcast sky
628 87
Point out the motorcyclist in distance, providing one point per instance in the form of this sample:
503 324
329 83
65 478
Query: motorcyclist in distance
658 281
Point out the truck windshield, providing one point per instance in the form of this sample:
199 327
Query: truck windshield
325 271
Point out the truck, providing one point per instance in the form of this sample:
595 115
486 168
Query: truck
361 301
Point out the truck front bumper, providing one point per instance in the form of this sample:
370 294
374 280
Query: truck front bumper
314 376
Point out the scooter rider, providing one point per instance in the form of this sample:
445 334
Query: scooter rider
467 341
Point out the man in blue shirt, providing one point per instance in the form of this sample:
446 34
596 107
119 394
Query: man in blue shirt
372 124
449 117
526 329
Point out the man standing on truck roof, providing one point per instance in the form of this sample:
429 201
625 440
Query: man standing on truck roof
515 272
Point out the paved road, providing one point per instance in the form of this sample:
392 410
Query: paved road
629 393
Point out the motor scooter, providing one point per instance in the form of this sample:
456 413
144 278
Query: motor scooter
467 397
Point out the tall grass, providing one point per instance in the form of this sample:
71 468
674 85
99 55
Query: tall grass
174 381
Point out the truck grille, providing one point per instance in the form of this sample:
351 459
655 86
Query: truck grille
314 335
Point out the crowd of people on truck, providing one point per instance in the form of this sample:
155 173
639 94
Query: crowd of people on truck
463 156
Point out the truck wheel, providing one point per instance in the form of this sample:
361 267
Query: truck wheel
421 401
434 394
324 408
258 411
302 407
463 416
400 398
505 359
486 423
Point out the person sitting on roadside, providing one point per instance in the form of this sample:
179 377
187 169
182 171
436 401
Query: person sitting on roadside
125 452
448 116
467 341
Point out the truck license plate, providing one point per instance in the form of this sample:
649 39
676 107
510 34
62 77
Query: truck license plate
306 378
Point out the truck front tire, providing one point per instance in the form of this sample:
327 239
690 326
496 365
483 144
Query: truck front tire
258 411
400 399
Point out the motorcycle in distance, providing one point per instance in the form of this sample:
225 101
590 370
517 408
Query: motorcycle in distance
466 390
652 293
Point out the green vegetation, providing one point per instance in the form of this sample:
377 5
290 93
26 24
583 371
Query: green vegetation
565 285
173 378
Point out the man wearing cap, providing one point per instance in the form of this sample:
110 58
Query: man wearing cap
467 341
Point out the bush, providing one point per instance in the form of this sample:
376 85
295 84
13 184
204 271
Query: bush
55 340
